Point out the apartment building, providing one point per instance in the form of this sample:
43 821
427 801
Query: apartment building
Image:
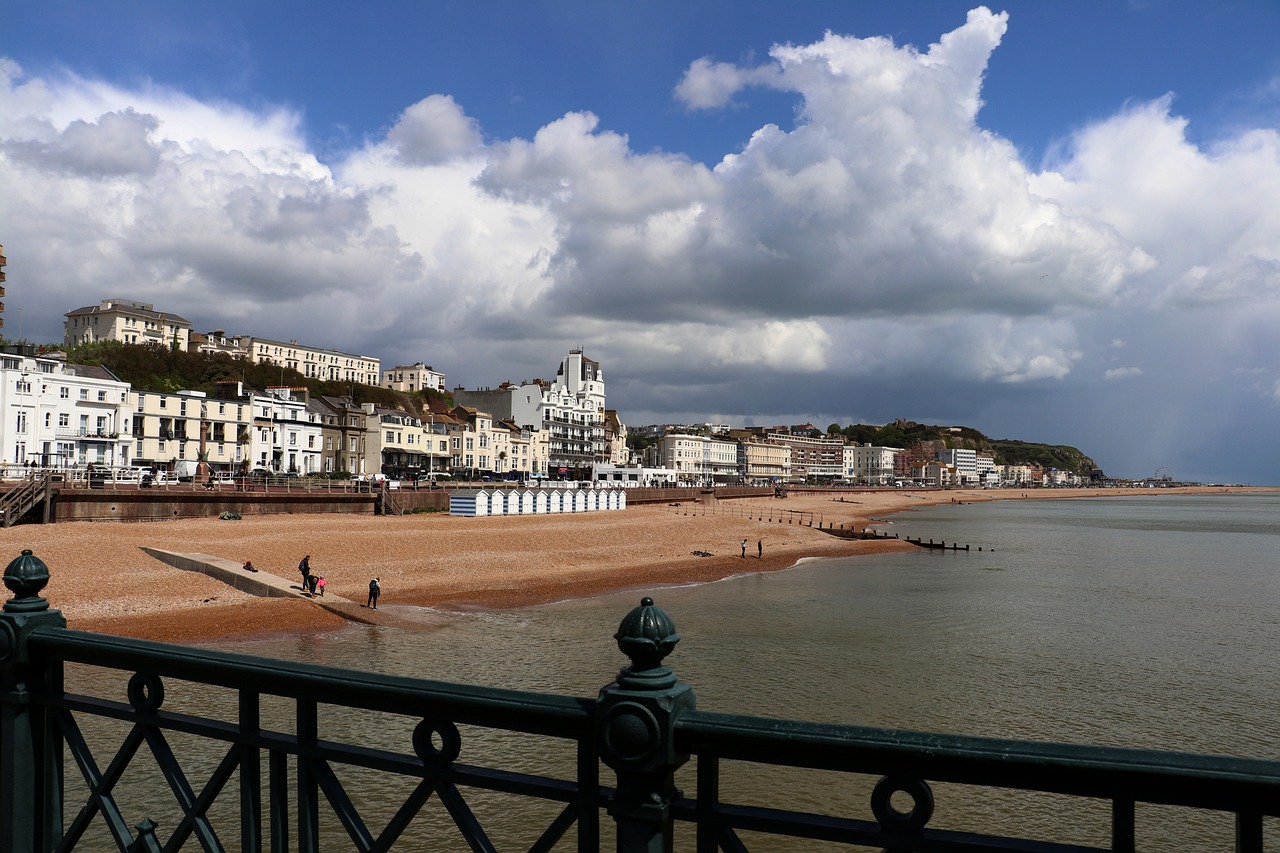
127 321
699 458
813 454
413 377
342 434
173 428
869 465
965 462
315 363
761 461
58 415
395 440
570 409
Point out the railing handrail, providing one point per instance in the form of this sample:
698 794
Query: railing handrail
1153 776
534 713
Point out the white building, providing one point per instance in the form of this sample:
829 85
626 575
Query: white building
569 409
699 458
965 462
413 377
127 321
59 415
870 465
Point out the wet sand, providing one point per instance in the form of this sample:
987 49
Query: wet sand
101 580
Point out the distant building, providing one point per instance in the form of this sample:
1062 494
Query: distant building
3 262
570 410
59 415
413 377
127 321
868 465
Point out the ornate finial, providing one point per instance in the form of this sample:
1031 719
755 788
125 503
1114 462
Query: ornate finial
647 635
25 577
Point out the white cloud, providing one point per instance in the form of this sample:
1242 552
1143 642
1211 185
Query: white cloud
885 239
434 131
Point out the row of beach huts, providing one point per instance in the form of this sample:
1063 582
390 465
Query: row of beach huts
481 502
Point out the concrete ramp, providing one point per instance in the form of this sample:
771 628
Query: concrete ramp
266 585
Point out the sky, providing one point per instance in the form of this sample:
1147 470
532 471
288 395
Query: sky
1050 221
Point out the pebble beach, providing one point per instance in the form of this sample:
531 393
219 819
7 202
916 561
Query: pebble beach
102 581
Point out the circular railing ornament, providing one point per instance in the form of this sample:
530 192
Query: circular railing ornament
424 742
146 691
889 817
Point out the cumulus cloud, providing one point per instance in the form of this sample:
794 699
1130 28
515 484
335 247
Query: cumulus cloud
434 131
879 237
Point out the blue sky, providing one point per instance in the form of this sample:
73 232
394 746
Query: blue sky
1049 221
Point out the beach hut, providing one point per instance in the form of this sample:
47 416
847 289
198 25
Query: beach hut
498 502
620 499
593 500
579 501
555 501
526 502
541 501
463 502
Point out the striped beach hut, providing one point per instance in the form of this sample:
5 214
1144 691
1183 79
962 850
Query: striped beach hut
468 502
541 501
525 499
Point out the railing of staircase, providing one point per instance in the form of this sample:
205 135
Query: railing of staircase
262 769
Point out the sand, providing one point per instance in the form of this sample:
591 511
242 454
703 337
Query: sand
101 580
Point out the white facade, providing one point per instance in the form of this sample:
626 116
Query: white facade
315 363
414 377
870 465
699 458
58 415
286 436
965 462
127 321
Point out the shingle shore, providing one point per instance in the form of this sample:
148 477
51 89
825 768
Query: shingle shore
102 581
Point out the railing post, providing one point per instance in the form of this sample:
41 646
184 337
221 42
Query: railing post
635 731
30 759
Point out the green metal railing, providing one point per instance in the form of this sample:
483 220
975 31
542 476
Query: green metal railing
267 785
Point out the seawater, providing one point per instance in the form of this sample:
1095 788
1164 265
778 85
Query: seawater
1143 622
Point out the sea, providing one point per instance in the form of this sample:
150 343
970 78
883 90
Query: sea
1130 621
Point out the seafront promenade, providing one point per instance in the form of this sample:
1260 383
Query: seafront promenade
107 582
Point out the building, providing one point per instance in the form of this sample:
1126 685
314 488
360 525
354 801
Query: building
414 377
284 434
761 461
342 434
315 363
126 321
814 456
570 409
173 428
59 415
3 262
965 462
699 459
394 439
868 465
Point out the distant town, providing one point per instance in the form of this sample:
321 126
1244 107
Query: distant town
62 415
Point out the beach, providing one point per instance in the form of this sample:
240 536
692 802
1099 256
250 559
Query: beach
102 581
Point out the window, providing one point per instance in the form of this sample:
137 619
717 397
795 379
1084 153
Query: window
64 420
102 396
64 393
22 422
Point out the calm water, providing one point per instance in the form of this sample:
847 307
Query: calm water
1147 622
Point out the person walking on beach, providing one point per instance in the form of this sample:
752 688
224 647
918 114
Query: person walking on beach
305 568
375 589
759 549
744 549
320 585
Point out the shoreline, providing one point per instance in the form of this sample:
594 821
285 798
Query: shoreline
102 581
